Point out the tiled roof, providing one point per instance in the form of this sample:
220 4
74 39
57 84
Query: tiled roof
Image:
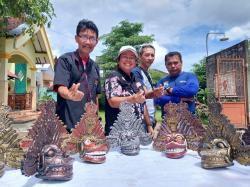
12 23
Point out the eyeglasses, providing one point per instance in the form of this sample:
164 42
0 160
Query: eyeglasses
128 58
85 38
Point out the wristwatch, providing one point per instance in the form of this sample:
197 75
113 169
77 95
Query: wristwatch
168 90
167 87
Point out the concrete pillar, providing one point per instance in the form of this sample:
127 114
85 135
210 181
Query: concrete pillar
4 78
33 88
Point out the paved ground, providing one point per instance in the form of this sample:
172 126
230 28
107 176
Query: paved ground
22 128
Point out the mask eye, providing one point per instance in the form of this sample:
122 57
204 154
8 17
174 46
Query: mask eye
51 153
179 139
87 142
123 137
168 138
221 145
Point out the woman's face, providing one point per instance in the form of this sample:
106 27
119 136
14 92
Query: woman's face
127 61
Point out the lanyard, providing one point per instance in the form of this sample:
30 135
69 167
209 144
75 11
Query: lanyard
85 83
148 76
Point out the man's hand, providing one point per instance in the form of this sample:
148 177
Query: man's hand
74 94
158 92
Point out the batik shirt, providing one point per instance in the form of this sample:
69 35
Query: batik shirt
119 84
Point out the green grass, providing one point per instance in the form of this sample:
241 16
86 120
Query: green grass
102 115
158 116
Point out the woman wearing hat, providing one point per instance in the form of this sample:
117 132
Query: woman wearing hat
121 86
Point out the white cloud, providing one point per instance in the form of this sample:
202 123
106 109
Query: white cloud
56 52
167 20
220 12
160 52
239 32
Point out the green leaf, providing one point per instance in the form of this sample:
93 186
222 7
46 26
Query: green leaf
125 33
33 12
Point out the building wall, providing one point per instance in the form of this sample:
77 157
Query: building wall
241 50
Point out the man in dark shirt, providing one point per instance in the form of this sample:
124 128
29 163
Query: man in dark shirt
77 78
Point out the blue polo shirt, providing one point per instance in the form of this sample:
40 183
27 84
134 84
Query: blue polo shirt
185 85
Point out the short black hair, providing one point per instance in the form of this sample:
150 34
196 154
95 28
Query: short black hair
86 24
143 46
171 54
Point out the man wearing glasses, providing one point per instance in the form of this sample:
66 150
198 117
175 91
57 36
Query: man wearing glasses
77 79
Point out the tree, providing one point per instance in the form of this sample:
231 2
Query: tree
125 33
33 12
156 75
202 96
200 70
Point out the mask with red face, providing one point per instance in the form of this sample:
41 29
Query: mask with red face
88 137
180 130
176 145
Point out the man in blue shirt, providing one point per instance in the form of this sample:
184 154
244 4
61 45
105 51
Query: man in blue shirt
141 72
179 85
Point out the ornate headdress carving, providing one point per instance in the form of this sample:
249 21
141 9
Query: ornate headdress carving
222 143
128 131
180 129
88 137
10 152
44 155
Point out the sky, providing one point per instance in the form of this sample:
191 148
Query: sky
179 25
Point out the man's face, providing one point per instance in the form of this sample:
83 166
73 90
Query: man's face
86 41
174 65
147 57
127 61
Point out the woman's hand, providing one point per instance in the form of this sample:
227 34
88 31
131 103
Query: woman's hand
139 97
150 130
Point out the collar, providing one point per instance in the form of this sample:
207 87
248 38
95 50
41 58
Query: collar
78 58
147 75
142 69
79 63
128 78
174 77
